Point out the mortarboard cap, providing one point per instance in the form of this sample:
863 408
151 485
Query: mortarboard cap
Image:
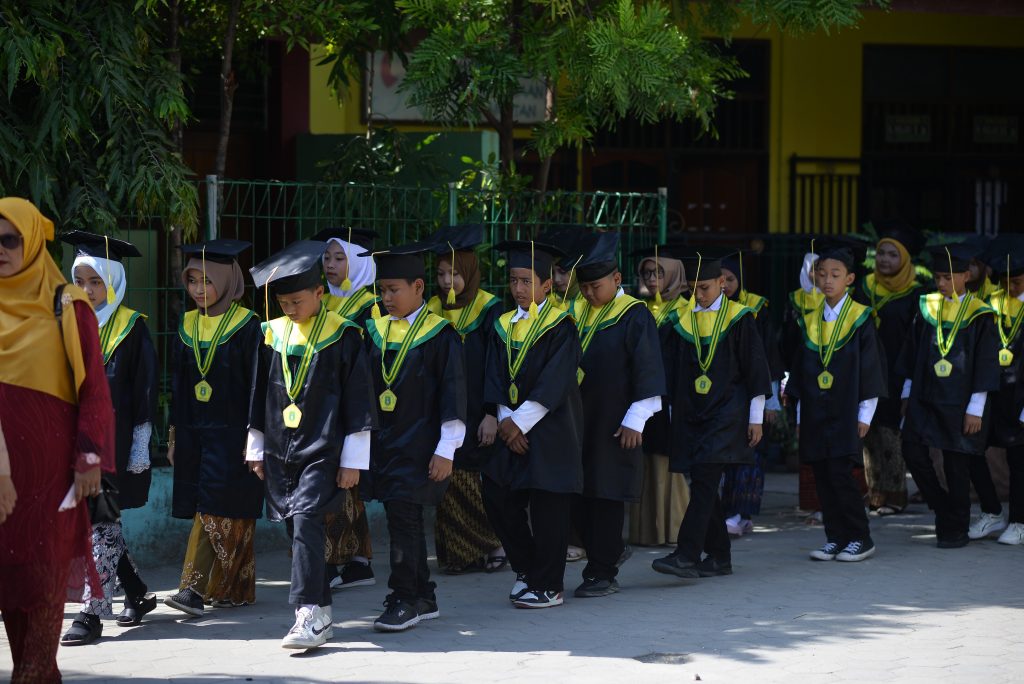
296 267
363 237
848 250
531 254
901 232
222 251
404 262
101 246
702 265
459 238
956 256
599 251
1006 252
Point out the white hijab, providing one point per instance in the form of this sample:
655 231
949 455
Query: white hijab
362 271
105 268
807 272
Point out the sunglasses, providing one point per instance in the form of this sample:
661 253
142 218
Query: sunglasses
10 241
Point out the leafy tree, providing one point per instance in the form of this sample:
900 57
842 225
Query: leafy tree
87 102
600 60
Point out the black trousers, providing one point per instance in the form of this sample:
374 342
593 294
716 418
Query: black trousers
535 545
703 526
134 587
600 524
842 506
1015 459
981 478
310 584
952 505
410 576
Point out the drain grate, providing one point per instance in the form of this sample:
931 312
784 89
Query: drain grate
664 658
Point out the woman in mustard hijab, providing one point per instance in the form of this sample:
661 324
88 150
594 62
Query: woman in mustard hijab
58 429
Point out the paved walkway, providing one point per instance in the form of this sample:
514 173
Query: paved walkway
913 613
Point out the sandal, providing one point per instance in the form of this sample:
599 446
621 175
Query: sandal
495 563
883 511
134 610
575 553
475 566
85 629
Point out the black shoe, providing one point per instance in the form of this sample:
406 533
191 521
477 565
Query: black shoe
957 542
593 588
85 629
536 598
187 601
354 574
427 608
712 567
135 610
674 565
627 553
398 616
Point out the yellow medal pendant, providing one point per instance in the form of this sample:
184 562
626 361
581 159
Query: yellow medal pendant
702 385
579 376
1005 357
292 416
388 401
825 380
943 368
513 393
203 391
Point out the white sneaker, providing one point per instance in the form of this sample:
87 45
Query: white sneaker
312 628
1013 534
986 525
734 525
519 588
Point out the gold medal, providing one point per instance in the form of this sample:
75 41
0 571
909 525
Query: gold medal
702 385
943 368
513 393
203 391
579 376
825 380
292 416
388 401
1005 357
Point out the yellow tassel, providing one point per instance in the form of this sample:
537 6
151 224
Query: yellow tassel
346 284
111 295
451 292
375 311
658 301
451 297
533 310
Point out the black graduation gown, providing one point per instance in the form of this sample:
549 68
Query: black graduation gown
553 462
301 464
936 408
132 375
1009 400
431 390
621 365
658 430
828 418
210 472
893 323
766 329
712 428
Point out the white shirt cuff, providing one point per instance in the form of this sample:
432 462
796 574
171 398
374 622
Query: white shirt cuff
757 410
254 445
1021 416
453 432
772 403
639 412
797 411
866 410
905 394
976 406
355 453
527 415
503 412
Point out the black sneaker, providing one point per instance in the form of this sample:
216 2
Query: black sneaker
354 574
535 598
135 610
187 601
594 588
674 565
857 550
712 567
519 588
85 629
627 553
826 553
427 608
398 616
957 542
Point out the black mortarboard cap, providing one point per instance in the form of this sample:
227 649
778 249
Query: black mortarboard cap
403 262
1006 251
702 265
599 256
848 250
223 251
902 232
363 237
296 267
530 254
460 238
571 240
104 247
959 256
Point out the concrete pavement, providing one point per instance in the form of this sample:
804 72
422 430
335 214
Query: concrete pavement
913 613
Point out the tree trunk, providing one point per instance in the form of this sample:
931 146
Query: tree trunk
228 86
541 183
506 138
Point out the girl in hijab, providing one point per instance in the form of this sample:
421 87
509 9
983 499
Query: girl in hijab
655 520
213 359
58 425
131 368
464 538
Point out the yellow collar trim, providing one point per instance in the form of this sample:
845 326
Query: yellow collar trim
931 303
550 316
468 318
273 333
619 306
120 324
208 326
683 323
378 328
350 307
815 328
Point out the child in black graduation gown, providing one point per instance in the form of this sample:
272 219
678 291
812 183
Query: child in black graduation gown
622 381
420 383
950 362
309 426
837 377
532 360
718 379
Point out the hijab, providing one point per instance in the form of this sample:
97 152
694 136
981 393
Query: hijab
112 274
227 279
468 266
903 278
362 271
34 352
807 272
673 283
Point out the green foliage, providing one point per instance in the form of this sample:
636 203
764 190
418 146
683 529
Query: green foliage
87 103
385 157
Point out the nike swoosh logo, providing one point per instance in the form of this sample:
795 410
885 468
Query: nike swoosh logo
318 632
